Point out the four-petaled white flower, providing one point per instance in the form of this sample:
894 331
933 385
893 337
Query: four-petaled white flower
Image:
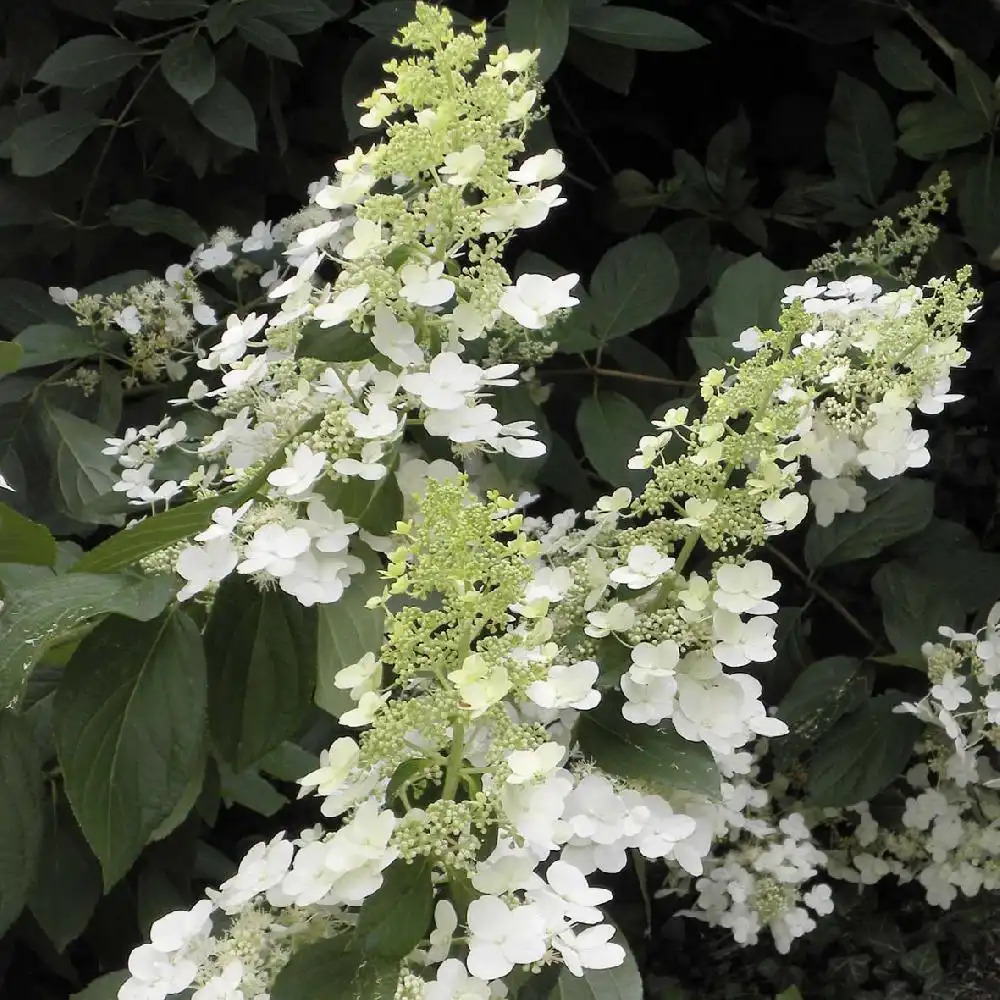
426 286
534 297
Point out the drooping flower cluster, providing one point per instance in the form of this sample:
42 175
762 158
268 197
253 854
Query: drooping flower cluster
393 310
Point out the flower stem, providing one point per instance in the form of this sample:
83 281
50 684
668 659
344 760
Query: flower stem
454 770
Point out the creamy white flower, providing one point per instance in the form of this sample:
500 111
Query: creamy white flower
534 297
501 937
203 565
462 167
644 567
296 478
536 169
567 686
426 286
342 306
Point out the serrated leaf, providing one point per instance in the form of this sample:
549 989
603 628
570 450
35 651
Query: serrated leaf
89 61
637 29
261 649
39 615
901 63
21 784
23 540
633 284
395 918
859 139
748 293
188 65
862 754
129 720
539 24
45 343
162 10
902 510
311 970
653 754
928 128
268 39
146 218
42 144
609 426
226 113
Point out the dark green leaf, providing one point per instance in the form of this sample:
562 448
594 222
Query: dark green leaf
931 127
539 24
691 243
68 886
268 39
712 352
188 65
914 605
386 18
44 143
296 17
226 113
395 919
86 476
334 344
23 540
162 10
249 789
40 614
610 426
637 29
261 650
19 207
748 294
924 962
862 754
24 304
859 139
89 61
979 206
652 754
974 89
145 217
129 726
104 987
11 357
612 66
21 784
902 510
901 63
633 284
346 631
45 343
312 969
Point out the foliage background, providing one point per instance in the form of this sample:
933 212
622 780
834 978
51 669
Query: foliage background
713 148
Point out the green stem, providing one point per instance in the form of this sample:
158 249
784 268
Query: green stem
454 770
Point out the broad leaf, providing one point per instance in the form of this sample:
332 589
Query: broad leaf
979 206
23 540
296 17
46 343
261 650
68 886
748 294
610 426
633 284
188 65
129 725
226 113
612 66
21 786
105 987
311 970
89 61
40 614
384 19
928 128
268 39
86 476
637 29
395 919
145 217
24 304
862 754
914 605
11 357
539 24
859 139
655 755
42 144
901 63
902 510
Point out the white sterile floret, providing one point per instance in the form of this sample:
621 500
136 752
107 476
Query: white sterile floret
342 306
369 705
784 513
480 683
464 424
369 466
439 939
447 384
566 896
224 986
738 642
274 550
426 286
749 340
619 617
297 477
654 660
936 396
261 869
236 338
831 497
534 765
744 588
536 169
650 702
809 290
501 937
224 521
534 297
367 238
567 686
951 692
335 765
462 167
395 339
644 567
591 948
203 565
453 982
